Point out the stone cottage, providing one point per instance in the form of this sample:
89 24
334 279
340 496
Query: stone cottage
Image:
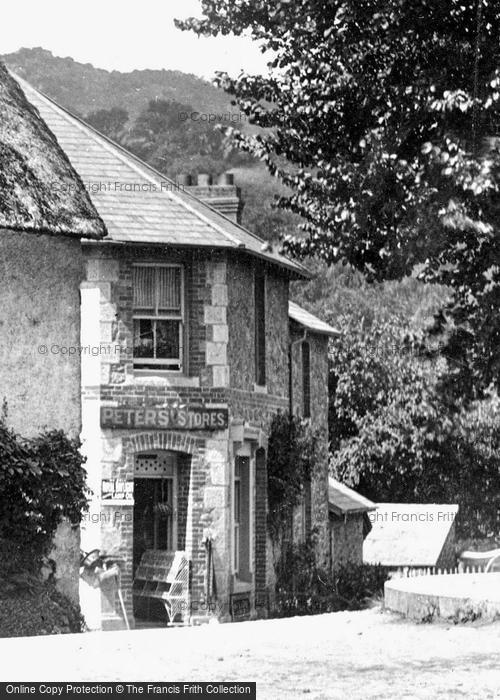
189 347
45 211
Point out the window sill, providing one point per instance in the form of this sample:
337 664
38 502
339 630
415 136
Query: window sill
164 378
260 388
240 586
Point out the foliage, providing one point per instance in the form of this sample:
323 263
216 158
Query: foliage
111 122
304 589
382 391
160 137
291 458
42 480
165 136
394 436
340 295
42 611
376 115
259 191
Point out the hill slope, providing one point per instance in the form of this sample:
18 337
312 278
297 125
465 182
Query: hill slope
82 88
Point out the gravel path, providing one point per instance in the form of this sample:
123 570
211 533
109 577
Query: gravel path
365 654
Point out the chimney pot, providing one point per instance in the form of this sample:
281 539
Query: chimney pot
204 180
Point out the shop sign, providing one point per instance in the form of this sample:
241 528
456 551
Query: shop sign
240 606
117 489
187 418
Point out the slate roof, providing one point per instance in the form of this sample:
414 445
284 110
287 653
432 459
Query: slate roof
145 206
343 500
408 534
307 320
40 192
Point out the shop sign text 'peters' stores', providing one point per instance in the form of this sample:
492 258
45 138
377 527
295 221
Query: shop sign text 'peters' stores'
186 418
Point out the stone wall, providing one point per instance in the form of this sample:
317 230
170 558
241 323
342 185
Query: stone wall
318 511
109 271
241 319
219 370
109 379
346 539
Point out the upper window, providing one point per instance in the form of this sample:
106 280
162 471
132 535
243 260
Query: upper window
306 379
158 316
260 327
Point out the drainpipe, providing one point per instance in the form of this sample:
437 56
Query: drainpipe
290 368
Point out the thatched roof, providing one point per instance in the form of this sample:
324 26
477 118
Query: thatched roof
40 192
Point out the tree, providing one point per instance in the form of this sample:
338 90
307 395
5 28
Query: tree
171 136
110 122
376 115
393 436
259 191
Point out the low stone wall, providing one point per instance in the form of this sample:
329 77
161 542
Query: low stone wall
457 597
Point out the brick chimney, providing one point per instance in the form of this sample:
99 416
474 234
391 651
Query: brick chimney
223 196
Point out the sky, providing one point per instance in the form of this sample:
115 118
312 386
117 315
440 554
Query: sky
124 35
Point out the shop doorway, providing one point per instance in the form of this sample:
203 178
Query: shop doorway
155 529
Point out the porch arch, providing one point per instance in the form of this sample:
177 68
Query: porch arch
160 440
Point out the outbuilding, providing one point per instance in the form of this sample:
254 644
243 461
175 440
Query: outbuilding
349 523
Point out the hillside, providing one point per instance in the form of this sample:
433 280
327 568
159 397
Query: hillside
82 88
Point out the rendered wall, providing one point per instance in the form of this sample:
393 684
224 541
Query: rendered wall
39 324
39 362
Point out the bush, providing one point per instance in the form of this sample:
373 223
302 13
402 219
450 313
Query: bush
44 610
42 481
302 588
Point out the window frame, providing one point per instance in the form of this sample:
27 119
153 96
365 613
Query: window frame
236 521
247 509
161 364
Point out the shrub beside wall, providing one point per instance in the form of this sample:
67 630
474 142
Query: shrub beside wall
42 481
304 589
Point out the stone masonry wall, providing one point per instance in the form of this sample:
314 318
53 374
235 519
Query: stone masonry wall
347 539
203 492
241 344
319 420
219 371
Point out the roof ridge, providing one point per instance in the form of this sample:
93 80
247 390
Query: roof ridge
125 156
